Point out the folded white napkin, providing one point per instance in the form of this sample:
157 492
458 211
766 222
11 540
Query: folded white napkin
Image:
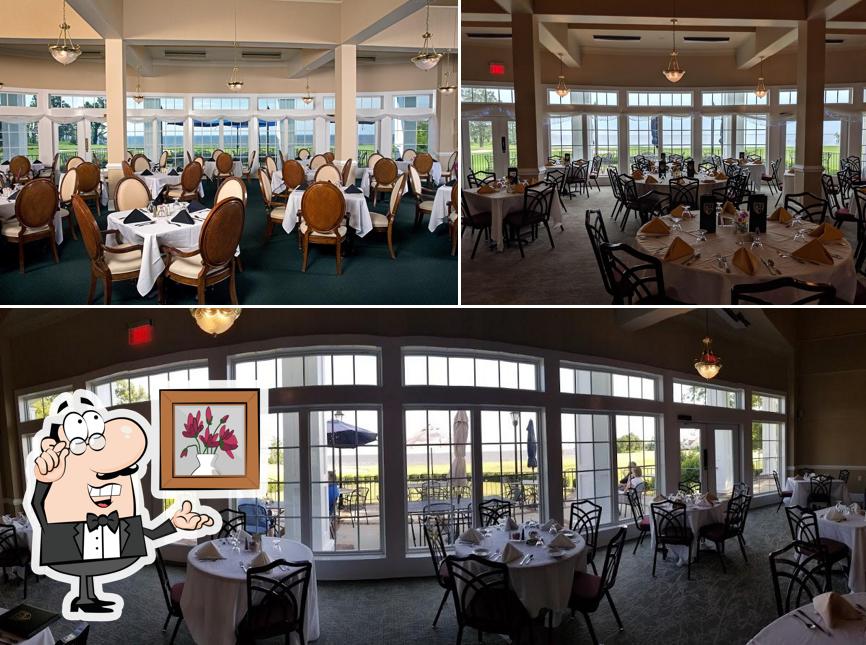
510 524
210 552
659 498
551 524
6 519
562 542
511 553
834 516
855 507
260 560
833 609
473 536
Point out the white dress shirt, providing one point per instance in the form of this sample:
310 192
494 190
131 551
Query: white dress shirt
101 543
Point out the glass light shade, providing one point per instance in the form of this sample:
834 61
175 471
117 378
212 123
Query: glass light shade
235 84
761 91
674 73
561 88
426 60
65 54
307 99
709 364
215 320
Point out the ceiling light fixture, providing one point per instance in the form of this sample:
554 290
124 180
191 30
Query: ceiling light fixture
235 82
138 97
561 88
761 90
674 73
708 364
215 320
427 57
448 85
65 51
307 97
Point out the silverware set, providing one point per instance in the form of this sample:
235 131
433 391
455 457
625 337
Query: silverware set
804 618
527 559
692 260
723 263
771 267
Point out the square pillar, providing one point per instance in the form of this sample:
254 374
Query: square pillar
529 104
115 111
811 47
345 115
446 119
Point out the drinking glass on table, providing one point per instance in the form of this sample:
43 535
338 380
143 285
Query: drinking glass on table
702 235
797 223
676 220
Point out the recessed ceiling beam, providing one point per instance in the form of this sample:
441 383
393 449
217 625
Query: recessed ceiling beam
636 320
307 62
560 41
764 44
105 16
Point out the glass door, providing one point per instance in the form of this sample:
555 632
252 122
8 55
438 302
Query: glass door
709 456
512 144
96 144
832 146
67 141
481 146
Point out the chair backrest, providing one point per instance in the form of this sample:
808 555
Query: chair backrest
73 162
293 173
265 185
635 275
257 517
806 205
88 227
423 162
397 195
140 162
250 159
317 162
331 173
684 192
68 185
481 590
597 236
303 153
131 192
708 168
279 591
830 192
216 154
19 166
55 162
793 571
735 516
329 156
231 187
372 159
191 176
820 487
224 163
538 201
669 520
636 505
803 524
584 519
436 545
453 202
409 155
414 179
844 475
476 179
127 169
221 233
164 581
232 521
37 203
493 510
200 161
778 485
689 487
452 159
821 294
596 165
8 539
347 174
385 171
88 177
188 157
163 159
324 207
612 558
271 165
741 488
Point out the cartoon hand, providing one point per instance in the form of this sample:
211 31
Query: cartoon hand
186 520
51 464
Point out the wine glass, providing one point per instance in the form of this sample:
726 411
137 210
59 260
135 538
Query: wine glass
797 223
756 240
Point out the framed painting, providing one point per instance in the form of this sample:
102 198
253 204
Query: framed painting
209 439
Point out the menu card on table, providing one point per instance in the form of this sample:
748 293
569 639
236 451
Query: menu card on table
708 213
758 213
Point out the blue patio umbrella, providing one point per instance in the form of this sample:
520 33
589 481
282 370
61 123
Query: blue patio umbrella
345 435
531 446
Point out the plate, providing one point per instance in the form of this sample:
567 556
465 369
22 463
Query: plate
568 534
483 553
556 552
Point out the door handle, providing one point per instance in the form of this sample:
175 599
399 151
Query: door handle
504 145
705 460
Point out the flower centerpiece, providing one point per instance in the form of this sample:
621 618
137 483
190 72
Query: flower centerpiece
209 437
742 222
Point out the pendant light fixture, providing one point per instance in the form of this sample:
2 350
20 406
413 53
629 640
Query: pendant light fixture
448 84
561 88
215 320
427 57
235 82
708 364
761 90
138 97
307 97
674 73
65 51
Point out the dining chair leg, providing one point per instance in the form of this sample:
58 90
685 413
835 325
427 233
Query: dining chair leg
549 235
92 290
200 291
589 627
339 259
165 624
655 557
107 290
306 248
20 256
689 568
613 609
269 230
743 547
441 606
174 633
53 243
391 240
233 289
459 634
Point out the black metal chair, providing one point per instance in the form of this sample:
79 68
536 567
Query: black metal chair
476 222
14 553
477 179
818 294
587 590
803 524
794 581
820 489
772 180
839 213
671 529
584 519
616 189
844 475
719 532
556 178
598 236
433 534
280 590
537 202
637 277
171 594
78 635
708 168
741 488
594 171
641 521
484 599
493 510
684 192
783 494
232 521
689 487
646 205
578 175
807 206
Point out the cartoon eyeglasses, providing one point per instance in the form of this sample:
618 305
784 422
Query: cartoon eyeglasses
83 431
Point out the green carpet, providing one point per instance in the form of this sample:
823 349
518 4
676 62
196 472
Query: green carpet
423 273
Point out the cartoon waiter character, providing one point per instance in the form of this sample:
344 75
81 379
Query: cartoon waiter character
84 501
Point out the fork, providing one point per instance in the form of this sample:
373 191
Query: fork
809 623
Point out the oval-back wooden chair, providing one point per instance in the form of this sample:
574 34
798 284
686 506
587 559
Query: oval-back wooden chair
424 165
384 222
140 163
73 162
317 162
276 210
163 160
131 192
231 187
89 185
303 154
127 169
329 156
224 166
293 174
348 172
372 159
67 188
190 179
323 207
409 155
19 168
329 172
384 175
35 208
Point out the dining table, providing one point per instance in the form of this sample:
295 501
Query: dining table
42 637
156 181
850 530
706 184
708 280
800 489
35 168
7 213
356 208
499 204
440 213
103 195
210 168
214 598
159 231
698 514
791 629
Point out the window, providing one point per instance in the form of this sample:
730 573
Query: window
716 136
832 139
67 141
603 132
345 481
576 97
98 136
74 101
585 379
731 98
205 137
139 137
636 440
677 135
690 454
643 135
332 136
586 462
566 136
329 104
512 143
304 368
713 396
281 436
368 102
368 132
863 146
752 135
510 448
269 140
19 139
438 472
134 387
659 99
486 95
171 139
156 103
17 99
470 370
768 403
236 139
410 134
220 103
414 101
844 95
35 406
287 103
791 142
300 135
787 97
766 455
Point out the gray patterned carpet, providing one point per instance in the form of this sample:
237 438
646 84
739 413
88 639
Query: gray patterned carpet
712 609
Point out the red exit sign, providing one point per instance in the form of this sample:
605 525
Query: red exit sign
140 333
497 69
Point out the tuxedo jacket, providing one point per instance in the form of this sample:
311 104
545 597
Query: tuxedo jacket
63 542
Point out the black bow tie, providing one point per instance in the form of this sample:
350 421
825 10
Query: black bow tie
112 521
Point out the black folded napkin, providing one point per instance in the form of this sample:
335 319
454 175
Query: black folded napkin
37 161
353 190
146 173
195 207
12 197
160 199
451 183
173 173
399 158
302 186
5 163
183 217
136 217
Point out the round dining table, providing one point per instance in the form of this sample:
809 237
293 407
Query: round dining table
698 515
545 581
440 213
356 207
214 596
801 488
851 531
706 184
789 629
499 205
707 281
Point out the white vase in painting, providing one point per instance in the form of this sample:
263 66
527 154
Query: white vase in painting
205 466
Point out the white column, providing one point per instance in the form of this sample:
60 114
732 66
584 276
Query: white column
386 133
345 115
45 130
115 96
187 138
320 135
253 145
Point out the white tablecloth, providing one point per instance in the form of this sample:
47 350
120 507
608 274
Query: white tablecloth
501 204
162 232
788 630
367 176
439 215
7 212
35 168
158 180
435 171
851 531
705 283
544 583
356 206
45 637
706 186
210 168
801 488
278 185
697 517
214 597
103 198
756 171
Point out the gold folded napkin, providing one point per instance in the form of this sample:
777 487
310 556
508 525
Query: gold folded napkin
678 250
510 553
486 190
655 226
678 212
712 497
550 524
746 261
518 188
472 536
637 174
813 251
651 180
659 498
721 176
562 542
826 233
510 524
833 609
209 552
260 560
781 215
834 516
729 209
